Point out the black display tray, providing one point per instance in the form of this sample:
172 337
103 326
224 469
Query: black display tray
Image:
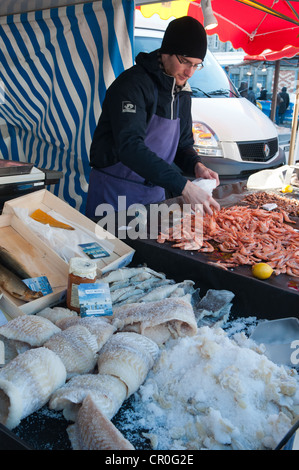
277 297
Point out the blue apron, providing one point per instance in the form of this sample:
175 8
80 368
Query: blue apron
105 185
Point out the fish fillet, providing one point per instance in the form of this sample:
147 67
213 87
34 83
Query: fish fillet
108 393
12 348
165 291
94 431
27 382
160 320
77 349
55 314
25 332
30 329
128 356
123 274
99 327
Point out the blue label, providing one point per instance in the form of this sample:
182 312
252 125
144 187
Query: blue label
94 299
94 250
39 284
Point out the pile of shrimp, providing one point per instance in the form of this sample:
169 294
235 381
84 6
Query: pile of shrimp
248 236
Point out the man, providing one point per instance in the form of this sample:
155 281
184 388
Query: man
251 95
263 94
146 125
243 89
283 101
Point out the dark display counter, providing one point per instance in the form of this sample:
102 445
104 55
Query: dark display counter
277 297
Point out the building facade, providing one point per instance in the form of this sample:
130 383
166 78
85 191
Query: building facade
256 74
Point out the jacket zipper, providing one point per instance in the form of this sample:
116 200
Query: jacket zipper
172 101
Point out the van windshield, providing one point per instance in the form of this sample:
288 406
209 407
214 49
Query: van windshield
212 80
209 82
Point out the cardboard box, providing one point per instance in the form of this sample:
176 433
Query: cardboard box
122 254
38 259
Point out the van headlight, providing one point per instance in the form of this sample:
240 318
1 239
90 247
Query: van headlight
206 141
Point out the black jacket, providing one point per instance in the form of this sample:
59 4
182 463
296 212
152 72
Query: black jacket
251 96
129 103
284 102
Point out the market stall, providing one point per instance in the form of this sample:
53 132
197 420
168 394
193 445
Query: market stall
178 303
167 304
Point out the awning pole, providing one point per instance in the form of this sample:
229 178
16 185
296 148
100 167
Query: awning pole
275 88
294 126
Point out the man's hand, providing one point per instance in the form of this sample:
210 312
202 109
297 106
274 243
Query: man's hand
202 171
193 195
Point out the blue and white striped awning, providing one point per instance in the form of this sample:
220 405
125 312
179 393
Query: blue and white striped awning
55 67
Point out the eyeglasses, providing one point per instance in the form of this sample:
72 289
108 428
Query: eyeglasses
189 64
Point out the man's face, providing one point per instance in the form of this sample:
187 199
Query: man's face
180 67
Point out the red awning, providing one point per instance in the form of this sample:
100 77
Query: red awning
247 24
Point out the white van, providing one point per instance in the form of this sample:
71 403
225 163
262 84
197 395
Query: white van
232 135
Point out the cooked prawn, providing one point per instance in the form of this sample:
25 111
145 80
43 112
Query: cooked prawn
246 235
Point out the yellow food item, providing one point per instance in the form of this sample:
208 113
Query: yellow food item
44 218
287 189
262 270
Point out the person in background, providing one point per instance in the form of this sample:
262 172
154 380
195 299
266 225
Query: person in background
263 94
251 95
243 89
283 101
146 125
226 69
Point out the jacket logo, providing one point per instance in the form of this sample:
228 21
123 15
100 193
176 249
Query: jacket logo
128 107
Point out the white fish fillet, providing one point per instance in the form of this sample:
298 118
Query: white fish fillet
27 382
122 274
77 349
128 356
94 431
100 327
56 313
24 332
29 329
130 300
124 293
12 348
140 290
108 393
165 291
160 320
119 285
139 283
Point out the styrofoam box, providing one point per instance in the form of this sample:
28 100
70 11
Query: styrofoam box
122 254
46 201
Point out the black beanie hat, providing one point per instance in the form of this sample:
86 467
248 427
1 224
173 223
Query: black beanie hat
185 36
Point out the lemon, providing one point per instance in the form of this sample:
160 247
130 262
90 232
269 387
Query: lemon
287 189
262 270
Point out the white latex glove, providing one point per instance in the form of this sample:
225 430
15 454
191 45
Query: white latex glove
202 171
199 199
